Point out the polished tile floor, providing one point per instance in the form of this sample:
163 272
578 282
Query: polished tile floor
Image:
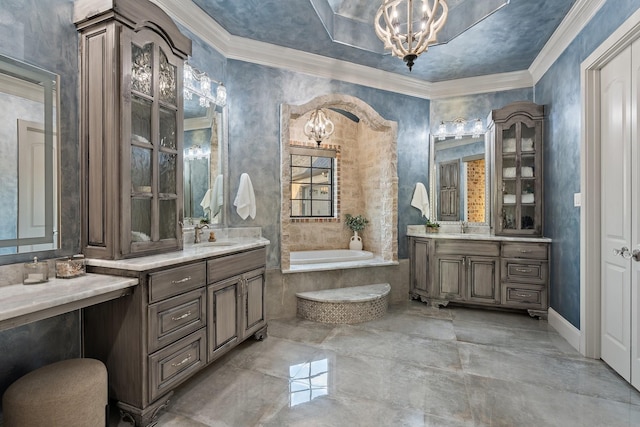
417 366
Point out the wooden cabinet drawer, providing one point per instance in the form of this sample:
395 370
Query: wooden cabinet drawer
176 317
524 250
524 295
175 363
467 247
175 281
528 271
232 265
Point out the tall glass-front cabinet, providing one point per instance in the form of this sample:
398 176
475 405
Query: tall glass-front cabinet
517 134
132 57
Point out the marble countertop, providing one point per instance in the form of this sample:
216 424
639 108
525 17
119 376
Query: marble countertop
418 231
350 294
191 252
21 304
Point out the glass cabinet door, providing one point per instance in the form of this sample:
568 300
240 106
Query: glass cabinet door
518 169
154 147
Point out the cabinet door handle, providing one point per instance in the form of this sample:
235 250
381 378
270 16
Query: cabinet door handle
182 362
184 316
523 295
524 270
524 251
177 282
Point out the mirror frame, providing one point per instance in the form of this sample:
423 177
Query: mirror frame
51 85
224 164
433 192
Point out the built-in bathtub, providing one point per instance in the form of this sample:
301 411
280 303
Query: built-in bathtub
328 256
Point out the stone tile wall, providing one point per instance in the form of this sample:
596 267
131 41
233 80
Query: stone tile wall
366 177
476 190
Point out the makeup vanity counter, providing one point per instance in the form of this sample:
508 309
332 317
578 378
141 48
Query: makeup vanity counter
21 304
190 307
480 269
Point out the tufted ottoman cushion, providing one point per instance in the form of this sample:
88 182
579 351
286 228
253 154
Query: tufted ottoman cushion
69 393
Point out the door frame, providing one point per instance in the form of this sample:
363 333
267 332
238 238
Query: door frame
590 177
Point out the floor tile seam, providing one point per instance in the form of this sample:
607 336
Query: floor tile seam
257 370
412 335
533 352
547 386
549 329
295 341
547 352
395 359
183 415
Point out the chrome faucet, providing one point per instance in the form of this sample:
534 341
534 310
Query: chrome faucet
462 227
197 232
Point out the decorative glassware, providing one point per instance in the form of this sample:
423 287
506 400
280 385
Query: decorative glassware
35 272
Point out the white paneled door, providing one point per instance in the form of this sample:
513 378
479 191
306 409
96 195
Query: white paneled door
620 209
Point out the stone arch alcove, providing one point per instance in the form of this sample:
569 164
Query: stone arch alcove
366 178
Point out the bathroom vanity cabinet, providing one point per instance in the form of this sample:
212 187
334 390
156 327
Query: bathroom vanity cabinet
489 272
131 127
516 134
180 318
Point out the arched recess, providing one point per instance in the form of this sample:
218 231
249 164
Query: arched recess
366 176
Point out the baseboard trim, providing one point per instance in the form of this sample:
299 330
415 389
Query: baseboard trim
565 329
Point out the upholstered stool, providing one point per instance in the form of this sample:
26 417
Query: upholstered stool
69 393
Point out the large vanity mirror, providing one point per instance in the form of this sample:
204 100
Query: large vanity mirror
29 106
205 155
459 179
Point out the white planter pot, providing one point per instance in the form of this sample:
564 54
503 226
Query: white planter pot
355 244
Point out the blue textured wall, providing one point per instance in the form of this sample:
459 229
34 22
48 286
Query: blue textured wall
41 32
256 93
559 90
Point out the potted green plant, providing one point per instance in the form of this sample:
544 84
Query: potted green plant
355 223
431 226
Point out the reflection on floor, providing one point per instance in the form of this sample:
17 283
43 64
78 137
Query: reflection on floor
417 366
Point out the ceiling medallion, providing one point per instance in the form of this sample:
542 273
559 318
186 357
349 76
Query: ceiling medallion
409 27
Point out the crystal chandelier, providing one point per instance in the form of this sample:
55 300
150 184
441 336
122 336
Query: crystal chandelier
407 28
319 127
198 83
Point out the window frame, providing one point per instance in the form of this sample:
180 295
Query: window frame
332 184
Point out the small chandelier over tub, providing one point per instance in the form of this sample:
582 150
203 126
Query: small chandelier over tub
319 127
409 27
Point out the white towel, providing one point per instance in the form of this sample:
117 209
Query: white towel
245 199
206 202
217 196
214 198
420 199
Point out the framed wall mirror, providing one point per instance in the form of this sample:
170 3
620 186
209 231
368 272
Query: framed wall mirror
29 168
205 163
459 179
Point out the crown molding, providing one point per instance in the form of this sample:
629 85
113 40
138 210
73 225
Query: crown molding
482 84
198 22
578 17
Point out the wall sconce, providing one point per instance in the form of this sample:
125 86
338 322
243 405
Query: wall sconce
198 83
319 127
458 128
195 152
